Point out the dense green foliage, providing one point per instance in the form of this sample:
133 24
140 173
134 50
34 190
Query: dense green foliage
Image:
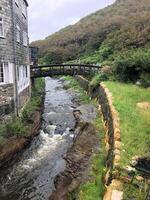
97 79
133 65
121 26
35 101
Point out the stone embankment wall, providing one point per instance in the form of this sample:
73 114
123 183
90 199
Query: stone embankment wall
112 139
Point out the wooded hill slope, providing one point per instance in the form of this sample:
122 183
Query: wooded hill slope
122 26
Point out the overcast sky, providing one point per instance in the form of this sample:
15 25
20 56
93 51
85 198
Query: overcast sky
48 16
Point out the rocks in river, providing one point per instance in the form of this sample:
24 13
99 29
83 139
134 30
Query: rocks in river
50 129
85 113
61 120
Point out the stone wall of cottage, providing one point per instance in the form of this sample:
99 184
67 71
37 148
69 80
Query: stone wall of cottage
6 42
7 53
22 52
24 97
6 100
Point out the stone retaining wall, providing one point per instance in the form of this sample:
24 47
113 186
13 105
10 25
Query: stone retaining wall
112 139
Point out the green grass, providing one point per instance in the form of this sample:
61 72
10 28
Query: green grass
36 99
133 192
135 128
135 123
93 189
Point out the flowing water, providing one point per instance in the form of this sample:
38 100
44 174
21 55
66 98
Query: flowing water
32 177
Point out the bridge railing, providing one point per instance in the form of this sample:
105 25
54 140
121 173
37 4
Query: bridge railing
63 69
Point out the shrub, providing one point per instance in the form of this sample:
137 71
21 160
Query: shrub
2 141
128 67
15 128
98 78
145 80
104 52
29 109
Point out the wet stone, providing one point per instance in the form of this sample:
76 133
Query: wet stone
86 113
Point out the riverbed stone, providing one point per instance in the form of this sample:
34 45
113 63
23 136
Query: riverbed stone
87 113
61 120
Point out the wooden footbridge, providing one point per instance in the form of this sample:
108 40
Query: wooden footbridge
63 69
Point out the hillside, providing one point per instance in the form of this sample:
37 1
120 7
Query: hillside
123 25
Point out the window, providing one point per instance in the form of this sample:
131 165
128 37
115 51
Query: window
1 73
18 73
1 27
18 34
4 73
24 9
25 38
25 71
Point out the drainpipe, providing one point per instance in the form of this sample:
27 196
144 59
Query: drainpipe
16 97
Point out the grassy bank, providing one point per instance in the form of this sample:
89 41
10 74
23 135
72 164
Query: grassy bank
134 122
135 128
94 188
18 127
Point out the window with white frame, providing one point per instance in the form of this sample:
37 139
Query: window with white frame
25 38
24 9
4 73
1 27
25 71
18 39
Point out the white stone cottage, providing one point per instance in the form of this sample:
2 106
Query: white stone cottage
14 56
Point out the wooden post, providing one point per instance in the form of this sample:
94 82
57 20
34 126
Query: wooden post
84 70
32 82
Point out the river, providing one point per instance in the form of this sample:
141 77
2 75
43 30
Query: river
32 176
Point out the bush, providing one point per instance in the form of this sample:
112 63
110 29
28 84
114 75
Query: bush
129 67
104 52
2 141
29 109
98 78
35 101
15 128
145 80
